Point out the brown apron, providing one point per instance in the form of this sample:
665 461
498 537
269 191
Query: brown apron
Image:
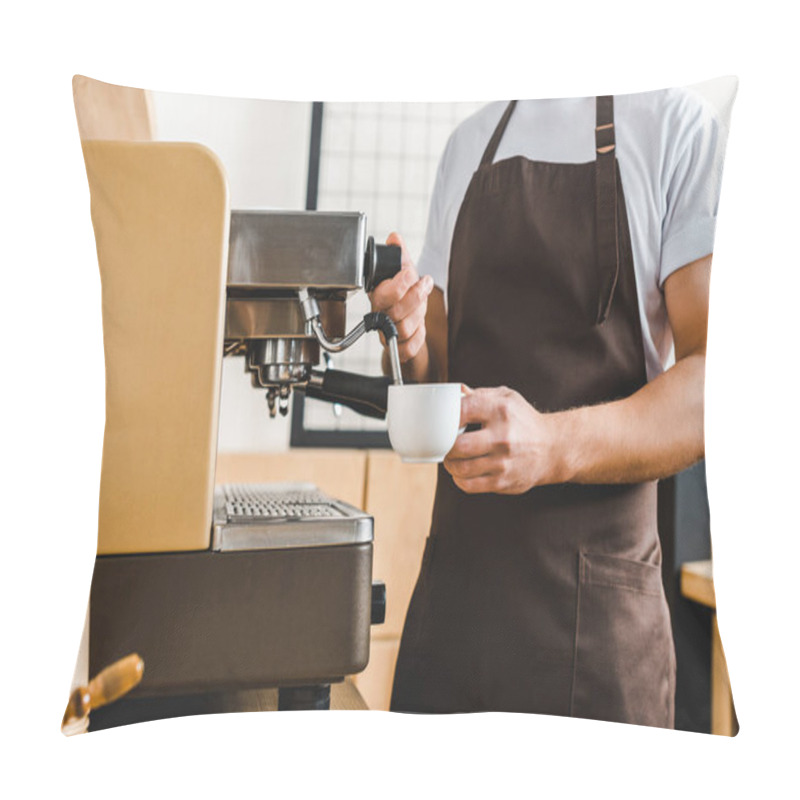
551 601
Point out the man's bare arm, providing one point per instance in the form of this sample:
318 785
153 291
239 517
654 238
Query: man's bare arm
658 430
655 432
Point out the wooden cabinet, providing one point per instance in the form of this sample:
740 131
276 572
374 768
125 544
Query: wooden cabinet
339 473
400 498
697 583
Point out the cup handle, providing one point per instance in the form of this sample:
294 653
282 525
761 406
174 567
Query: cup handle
463 427
472 426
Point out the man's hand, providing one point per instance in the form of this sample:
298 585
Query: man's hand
405 299
516 449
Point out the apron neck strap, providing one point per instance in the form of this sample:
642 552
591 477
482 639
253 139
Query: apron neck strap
491 148
604 116
606 211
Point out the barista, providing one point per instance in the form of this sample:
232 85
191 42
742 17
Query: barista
568 251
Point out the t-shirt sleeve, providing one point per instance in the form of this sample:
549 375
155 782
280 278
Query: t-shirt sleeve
435 255
692 194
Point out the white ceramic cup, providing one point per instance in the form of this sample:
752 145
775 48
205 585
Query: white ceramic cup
423 420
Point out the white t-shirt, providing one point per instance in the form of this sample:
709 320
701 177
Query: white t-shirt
670 146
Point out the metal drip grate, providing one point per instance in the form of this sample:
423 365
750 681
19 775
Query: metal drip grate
253 503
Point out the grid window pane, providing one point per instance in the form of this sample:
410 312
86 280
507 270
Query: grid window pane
379 158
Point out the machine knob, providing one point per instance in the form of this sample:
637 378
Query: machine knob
378 602
381 262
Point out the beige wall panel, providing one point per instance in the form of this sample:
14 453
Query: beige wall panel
340 473
107 111
400 497
161 215
374 684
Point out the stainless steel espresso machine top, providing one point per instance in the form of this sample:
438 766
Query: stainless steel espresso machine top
255 516
289 277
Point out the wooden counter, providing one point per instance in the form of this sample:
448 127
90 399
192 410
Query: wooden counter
400 498
697 584
344 697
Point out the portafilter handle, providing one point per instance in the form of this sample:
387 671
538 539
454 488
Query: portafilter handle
365 394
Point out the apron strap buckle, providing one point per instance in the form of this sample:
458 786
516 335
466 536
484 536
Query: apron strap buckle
604 137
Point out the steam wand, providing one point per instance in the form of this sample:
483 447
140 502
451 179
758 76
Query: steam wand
375 320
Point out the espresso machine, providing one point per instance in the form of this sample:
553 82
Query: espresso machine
289 276
283 596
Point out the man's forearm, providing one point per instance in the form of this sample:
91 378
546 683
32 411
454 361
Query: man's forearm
655 432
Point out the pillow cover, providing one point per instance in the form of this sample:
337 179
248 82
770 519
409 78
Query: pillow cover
552 257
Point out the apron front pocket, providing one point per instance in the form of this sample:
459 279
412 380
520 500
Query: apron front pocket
624 654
